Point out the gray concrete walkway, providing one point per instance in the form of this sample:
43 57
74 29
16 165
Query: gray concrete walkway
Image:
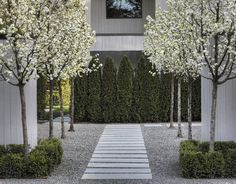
119 154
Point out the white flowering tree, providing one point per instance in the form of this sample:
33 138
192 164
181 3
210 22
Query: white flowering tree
214 23
19 25
211 24
170 48
64 50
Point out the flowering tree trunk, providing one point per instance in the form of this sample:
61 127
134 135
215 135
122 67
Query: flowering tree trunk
180 135
51 109
213 116
63 136
23 119
172 101
72 110
190 136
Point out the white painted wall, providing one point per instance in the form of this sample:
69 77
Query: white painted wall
118 43
88 11
10 114
226 111
162 4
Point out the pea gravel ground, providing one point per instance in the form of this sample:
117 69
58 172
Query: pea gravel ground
162 147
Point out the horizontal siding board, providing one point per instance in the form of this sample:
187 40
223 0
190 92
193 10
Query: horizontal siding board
226 113
10 114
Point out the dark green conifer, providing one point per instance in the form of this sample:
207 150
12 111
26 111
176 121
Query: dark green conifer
135 109
80 98
124 91
109 87
164 99
148 92
41 97
93 106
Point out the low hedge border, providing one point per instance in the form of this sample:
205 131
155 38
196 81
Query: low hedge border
197 161
40 163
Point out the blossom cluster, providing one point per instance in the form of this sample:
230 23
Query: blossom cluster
191 35
48 37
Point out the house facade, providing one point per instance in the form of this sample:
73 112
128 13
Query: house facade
124 36
119 35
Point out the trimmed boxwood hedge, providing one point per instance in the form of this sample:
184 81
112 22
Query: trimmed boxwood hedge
197 161
40 162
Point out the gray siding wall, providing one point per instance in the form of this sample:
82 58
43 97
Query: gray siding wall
118 43
102 25
10 114
226 111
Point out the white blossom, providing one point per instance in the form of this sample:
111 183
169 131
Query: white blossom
169 43
64 51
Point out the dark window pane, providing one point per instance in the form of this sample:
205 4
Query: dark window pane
124 8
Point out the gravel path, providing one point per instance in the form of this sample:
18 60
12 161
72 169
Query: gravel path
162 147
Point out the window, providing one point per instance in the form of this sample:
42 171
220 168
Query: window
124 8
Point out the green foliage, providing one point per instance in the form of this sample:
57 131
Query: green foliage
216 164
3 150
184 101
197 162
219 146
15 148
135 110
39 163
190 145
138 97
164 97
196 100
124 90
147 91
41 97
12 166
109 88
66 92
56 111
53 149
93 106
230 170
81 98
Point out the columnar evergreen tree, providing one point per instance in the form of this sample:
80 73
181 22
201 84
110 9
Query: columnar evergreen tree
93 108
196 109
147 91
135 108
124 91
41 97
164 97
81 98
109 87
